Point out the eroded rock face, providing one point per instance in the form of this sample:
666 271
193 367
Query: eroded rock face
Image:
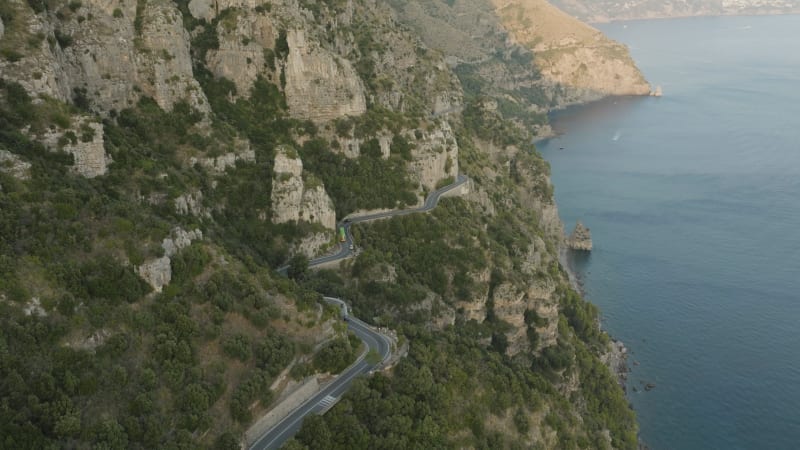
580 239
84 140
108 61
242 42
312 244
435 157
475 308
510 304
91 342
219 164
320 85
191 203
616 359
157 272
571 54
14 165
292 199
90 157
209 9
168 68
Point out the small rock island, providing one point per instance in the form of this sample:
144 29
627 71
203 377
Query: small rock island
580 239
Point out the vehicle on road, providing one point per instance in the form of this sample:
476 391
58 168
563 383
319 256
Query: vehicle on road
342 235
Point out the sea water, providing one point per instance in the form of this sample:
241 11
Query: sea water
693 200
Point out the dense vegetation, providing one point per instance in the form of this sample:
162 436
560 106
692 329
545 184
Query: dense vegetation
442 394
91 356
369 182
188 360
458 388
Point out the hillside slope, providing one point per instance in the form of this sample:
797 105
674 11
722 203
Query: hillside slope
571 53
160 159
526 51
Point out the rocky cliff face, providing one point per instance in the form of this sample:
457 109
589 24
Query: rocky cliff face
570 53
14 165
320 85
157 272
84 140
435 157
107 54
570 62
293 199
580 239
244 38
241 151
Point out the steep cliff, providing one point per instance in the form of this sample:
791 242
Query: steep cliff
293 199
320 85
570 53
530 55
580 238
104 55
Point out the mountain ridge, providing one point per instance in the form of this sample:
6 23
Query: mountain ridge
605 11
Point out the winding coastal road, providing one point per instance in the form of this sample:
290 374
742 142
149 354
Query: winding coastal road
327 397
330 394
344 251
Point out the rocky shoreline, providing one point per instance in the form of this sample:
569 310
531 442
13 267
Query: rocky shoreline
616 357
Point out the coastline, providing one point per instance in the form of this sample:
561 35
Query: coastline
564 259
616 356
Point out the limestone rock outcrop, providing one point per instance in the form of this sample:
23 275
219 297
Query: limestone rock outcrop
84 140
510 304
312 245
179 239
90 157
435 156
34 308
293 199
320 85
168 76
14 165
580 239
616 359
219 164
157 272
475 307
191 203
243 40
571 54
209 9
114 59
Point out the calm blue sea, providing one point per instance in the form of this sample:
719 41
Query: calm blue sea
693 200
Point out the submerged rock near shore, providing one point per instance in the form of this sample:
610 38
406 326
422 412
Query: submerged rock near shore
580 239
616 359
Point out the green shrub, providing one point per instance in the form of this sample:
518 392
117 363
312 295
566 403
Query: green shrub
335 356
238 346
